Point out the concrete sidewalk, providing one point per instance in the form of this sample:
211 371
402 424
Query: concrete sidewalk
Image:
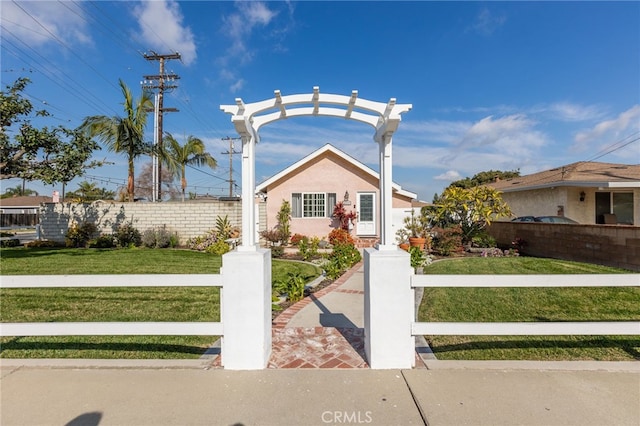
79 392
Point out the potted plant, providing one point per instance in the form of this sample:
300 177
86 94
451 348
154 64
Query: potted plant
402 237
417 229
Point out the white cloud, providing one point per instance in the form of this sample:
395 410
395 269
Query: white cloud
566 111
25 20
449 175
239 26
513 135
237 86
436 130
487 22
608 130
161 26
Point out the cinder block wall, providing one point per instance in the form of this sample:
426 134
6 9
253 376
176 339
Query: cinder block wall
188 219
610 245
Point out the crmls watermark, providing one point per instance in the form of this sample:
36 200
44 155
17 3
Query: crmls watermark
347 417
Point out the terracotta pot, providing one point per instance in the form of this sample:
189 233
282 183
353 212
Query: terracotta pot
404 246
417 242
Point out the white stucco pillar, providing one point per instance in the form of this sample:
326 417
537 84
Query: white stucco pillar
387 241
246 309
248 191
388 309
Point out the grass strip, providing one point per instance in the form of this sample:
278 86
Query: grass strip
195 304
529 304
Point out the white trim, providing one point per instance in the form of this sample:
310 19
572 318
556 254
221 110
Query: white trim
262 187
324 214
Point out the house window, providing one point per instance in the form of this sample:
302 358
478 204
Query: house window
312 204
618 203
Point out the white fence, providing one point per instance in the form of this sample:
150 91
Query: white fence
245 307
526 328
111 328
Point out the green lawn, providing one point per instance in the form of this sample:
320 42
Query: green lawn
114 304
529 304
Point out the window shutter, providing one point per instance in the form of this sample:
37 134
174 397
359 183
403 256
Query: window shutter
296 204
331 203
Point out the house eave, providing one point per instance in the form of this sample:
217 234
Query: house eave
582 184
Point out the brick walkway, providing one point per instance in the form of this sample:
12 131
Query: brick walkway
318 347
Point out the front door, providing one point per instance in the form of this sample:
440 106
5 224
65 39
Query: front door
366 224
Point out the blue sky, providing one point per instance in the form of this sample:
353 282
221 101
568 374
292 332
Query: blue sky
494 85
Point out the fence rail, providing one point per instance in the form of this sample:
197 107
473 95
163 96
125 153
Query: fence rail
111 328
527 328
129 280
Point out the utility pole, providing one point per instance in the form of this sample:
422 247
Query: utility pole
231 152
160 82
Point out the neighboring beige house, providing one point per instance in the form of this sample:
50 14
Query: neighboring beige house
587 192
314 185
21 211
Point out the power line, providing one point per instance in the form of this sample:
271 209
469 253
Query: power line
616 146
62 43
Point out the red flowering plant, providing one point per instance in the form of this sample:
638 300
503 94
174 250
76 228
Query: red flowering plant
342 216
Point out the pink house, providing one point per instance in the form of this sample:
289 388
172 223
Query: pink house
313 186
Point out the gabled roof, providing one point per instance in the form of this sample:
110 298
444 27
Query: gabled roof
582 173
328 148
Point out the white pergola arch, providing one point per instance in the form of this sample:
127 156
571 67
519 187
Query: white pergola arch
249 118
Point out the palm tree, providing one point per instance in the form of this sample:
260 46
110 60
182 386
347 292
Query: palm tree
18 190
177 156
88 192
124 134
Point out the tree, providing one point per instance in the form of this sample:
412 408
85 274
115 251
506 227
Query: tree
124 135
17 191
472 209
177 157
88 192
482 178
144 183
51 155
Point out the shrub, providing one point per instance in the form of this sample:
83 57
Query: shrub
296 238
43 244
203 242
293 286
447 241
340 236
483 240
224 228
273 236
128 236
103 241
342 258
219 248
308 248
277 251
159 238
419 259
78 236
12 242
284 220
